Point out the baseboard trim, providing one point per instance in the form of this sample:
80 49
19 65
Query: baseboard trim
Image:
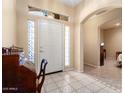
92 65
68 69
78 70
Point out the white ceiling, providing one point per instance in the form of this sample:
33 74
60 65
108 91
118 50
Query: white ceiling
115 17
112 24
71 3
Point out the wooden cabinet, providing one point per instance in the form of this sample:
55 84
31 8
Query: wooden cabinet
16 78
10 65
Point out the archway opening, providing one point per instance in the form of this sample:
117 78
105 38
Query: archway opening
91 41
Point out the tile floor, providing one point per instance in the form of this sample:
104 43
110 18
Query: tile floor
75 82
109 73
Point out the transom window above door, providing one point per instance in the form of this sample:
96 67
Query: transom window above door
45 13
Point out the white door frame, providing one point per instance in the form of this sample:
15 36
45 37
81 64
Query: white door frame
37 42
40 20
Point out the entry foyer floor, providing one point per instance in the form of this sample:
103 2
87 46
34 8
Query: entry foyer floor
109 73
74 82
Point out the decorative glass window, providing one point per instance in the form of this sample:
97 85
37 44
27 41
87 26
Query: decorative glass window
31 40
67 46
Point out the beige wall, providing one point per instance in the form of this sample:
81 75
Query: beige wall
9 23
81 12
22 16
113 41
90 35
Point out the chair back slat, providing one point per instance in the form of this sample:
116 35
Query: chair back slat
41 74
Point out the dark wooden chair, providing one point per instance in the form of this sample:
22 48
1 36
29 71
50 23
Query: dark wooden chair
41 75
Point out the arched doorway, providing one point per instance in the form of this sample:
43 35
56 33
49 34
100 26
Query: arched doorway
90 36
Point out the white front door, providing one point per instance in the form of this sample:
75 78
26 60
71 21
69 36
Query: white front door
51 44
